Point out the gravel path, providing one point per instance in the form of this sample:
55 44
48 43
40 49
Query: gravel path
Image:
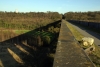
88 33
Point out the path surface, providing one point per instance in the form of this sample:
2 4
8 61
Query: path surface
87 33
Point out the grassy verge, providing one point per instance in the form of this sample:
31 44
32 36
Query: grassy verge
95 56
89 28
76 34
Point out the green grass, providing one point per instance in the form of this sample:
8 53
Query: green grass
20 31
34 33
29 33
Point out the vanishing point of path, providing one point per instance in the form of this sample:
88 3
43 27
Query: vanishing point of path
87 33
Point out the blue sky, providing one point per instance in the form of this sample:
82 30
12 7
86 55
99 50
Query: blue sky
61 6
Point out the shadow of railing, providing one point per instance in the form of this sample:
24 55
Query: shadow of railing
16 50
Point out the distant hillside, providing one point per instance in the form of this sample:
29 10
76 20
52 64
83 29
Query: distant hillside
86 16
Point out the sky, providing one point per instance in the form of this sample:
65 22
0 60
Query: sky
61 6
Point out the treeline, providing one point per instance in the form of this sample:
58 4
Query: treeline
83 16
30 20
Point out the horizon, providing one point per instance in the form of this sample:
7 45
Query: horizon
60 6
49 11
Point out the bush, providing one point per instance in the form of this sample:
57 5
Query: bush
47 40
39 41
